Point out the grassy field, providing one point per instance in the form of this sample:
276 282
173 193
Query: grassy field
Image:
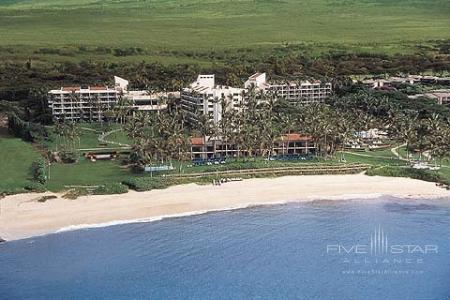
89 137
16 157
85 173
162 26
381 157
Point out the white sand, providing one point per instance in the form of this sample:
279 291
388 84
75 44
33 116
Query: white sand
23 216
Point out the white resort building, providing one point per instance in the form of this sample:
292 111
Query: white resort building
91 102
296 91
204 97
79 103
391 82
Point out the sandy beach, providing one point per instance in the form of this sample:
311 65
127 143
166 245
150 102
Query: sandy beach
22 216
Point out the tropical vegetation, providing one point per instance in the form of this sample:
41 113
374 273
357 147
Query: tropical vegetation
421 129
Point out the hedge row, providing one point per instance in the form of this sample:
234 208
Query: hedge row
425 175
141 184
110 189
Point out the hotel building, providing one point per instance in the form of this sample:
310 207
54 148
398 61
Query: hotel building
390 83
205 97
91 102
303 92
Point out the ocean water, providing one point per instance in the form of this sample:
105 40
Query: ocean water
346 249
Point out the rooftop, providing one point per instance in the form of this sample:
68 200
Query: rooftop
294 137
197 141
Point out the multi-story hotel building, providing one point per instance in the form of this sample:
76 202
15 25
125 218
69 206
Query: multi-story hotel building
82 103
91 102
299 92
204 97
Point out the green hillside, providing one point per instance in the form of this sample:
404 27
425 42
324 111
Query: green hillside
212 24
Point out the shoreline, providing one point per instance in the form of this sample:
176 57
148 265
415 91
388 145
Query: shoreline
22 216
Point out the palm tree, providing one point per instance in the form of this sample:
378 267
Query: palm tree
137 125
59 131
344 130
204 126
436 137
72 134
405 129
225 123
92 104
140 154
422 137
268 125
122 109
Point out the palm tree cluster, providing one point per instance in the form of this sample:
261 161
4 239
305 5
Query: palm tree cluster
253 127
68 135
259 122
421 131
156 137
430 136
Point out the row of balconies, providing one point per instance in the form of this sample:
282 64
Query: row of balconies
84 97
86 101
210 149
304 90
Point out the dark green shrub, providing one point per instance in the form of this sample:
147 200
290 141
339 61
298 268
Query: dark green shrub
29 132
33 186
38 171
111 188
424 175
68 156
141 184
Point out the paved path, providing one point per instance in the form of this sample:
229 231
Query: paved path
102 138
395 152
104 148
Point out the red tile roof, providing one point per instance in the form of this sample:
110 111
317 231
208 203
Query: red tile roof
98 88
295 137
71 88
197 141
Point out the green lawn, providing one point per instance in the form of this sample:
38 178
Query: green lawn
89 137
16 158
163 26
119 137
378 157
86 173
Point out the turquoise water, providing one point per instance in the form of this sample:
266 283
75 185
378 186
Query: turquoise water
275 252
